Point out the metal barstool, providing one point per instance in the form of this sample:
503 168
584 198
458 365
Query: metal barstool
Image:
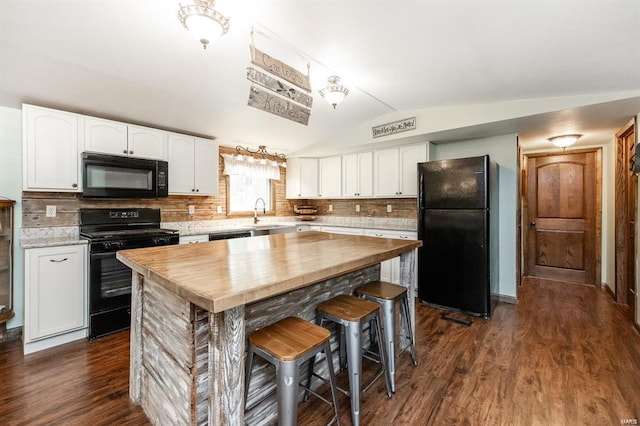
287 344
387 295
351 313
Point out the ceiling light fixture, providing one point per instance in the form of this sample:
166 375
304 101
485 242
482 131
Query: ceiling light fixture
563 141
203 20
335 92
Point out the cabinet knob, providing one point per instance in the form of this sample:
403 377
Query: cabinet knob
74 185
197 190
193 190
131 152
124 152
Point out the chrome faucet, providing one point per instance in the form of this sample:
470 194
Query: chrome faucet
255 209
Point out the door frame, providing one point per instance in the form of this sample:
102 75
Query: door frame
597 208
625 255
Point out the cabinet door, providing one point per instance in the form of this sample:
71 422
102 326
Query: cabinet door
365 174
330 177
51 156
350 175
105 136
385 173
292 189
145 142
309 177
410 156
181 164
206 167
54 291
302 178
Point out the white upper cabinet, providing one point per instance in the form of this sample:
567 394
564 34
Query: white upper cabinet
357 175
193 165
330 177
395 170
145 142
112 137
302 178
105 136
51 155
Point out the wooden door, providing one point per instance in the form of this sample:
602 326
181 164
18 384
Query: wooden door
561 217
625 204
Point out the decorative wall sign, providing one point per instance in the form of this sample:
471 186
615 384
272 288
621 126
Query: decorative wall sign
279 87
395 127
279 68
269 102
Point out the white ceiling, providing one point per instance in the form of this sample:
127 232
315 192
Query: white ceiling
132 60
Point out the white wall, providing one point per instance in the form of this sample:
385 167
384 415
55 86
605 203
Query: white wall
504 151
11 187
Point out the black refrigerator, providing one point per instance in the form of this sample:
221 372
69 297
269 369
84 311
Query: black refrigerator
457 223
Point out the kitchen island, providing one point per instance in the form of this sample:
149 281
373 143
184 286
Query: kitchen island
194 305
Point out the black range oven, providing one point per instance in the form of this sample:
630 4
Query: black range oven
110 230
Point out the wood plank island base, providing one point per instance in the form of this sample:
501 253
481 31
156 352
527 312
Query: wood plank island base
193 306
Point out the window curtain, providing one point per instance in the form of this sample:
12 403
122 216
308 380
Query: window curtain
232 166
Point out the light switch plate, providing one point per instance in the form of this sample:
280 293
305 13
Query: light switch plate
389 208
51 211
357 207
192 209
330 208
219 209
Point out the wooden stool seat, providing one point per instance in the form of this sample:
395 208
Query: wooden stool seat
290 338
382 290
348 308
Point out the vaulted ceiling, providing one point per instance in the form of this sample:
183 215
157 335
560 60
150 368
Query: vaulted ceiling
133 61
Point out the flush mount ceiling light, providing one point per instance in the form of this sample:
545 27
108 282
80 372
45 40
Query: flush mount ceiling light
335 92
563 141
204 22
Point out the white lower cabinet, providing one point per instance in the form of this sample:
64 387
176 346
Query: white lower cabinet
390 269
55 296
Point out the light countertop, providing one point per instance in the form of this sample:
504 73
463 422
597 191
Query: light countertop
220 275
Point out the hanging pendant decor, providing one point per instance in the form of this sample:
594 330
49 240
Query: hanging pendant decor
269 102
277 86
290 100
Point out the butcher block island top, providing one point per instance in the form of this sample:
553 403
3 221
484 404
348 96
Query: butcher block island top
224 274
194 305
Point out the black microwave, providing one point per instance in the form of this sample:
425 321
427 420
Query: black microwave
114 176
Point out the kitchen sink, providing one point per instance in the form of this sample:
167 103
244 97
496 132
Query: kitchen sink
269 229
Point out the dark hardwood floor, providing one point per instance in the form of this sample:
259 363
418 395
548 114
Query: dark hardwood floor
566 355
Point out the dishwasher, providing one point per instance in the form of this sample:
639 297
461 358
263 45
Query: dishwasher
227 235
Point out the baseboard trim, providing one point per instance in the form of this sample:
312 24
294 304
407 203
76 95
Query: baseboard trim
609 291
507 299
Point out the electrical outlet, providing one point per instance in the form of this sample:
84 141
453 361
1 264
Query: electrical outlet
389 208
192 209
51 211
219 209
357 208
330 208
